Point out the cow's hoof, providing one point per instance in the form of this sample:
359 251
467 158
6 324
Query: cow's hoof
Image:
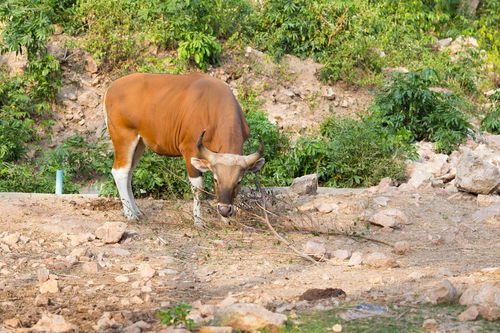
133 216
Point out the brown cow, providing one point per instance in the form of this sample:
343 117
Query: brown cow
173 115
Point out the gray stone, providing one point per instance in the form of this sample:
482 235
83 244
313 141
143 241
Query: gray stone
445 292
305 185
476 175
315 247
89 99
380 260
356 259
342 254
487 298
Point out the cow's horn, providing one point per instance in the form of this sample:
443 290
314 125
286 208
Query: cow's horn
204 152
252 158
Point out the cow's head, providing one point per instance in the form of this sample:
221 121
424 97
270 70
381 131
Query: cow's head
228 170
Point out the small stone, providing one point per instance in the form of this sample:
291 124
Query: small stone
41 300
121 279
91 267
13 322
50 286
337 328
484 200
105 322
53 323
91 65
78 239
208 310
78 252
120 252
11 239
381 201
380 260
388 218
216 329
342 254
356 259
136 300
89 99
315 247
470 314
146 271
430 324
326 207
136 327
42 274
417 275
401 247
250 317
111 232
127 267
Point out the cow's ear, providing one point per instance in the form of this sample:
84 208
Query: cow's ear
200 164
257 165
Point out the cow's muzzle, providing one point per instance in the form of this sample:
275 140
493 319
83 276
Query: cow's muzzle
225 209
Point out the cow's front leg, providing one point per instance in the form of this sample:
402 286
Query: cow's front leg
197 188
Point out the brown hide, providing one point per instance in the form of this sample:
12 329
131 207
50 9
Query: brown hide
169 112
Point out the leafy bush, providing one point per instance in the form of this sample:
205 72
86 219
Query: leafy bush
201 48
491 121
350 154
429 115
177 315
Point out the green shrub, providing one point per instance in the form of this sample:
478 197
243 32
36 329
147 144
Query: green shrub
201 48
491 121
429 115
177 315
350 154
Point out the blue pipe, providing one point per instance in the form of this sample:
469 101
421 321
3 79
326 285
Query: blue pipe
59 181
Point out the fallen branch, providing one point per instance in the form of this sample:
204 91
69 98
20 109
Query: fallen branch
266 220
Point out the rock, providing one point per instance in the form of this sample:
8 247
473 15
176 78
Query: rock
487 200
120 252
146 271
54 324
250 317
89 99
401 247
380 260
445 292
16 63
50 286
91 267
136 327
315 247
216 329
356 259
316 294
384 185
326 207
106 322
121 279
430 324
56 51
388 218
41 300
305 185
127 267
487 298
42 274
91 65
470 314
417 275
381 201
395 70
442 43
342 254
229 300
207 310
13 322
78 239
337 328
329 94
476 175
487 215
11 239
111 232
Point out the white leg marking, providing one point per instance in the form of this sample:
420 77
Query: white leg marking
122 177
196 187
139 150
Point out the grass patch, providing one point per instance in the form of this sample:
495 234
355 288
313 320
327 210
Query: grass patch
397 319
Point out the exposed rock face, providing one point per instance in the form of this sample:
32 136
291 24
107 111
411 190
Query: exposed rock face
249 317
307 184
444 292
476 175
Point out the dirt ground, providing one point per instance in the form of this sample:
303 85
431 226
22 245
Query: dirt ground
450 237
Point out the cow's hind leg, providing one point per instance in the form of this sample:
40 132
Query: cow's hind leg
139 150
125 150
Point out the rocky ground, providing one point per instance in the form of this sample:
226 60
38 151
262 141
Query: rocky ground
76 256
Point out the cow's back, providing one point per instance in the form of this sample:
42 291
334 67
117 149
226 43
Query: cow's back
170 111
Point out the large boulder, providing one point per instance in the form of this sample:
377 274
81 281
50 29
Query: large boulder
476 175
486 296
